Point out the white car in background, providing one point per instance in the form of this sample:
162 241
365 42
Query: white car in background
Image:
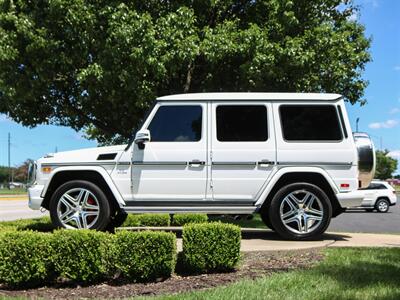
379 196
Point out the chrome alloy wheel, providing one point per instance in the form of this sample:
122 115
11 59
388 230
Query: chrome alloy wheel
382 206
301 212
78 208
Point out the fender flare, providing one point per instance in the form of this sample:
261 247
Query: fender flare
100 170
286 170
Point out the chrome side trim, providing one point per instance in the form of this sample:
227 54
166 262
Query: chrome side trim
234 163
69 164
159 163
189 203
318 163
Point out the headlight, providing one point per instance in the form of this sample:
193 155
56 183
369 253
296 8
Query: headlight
31 173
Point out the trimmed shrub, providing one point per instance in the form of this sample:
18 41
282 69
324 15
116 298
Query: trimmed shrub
25 258
142 256
156 220
82 255
211 247
183 219
132 220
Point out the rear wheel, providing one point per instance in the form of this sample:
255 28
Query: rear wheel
382 205
79 204
300 211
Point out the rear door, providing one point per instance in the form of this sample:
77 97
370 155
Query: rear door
242 154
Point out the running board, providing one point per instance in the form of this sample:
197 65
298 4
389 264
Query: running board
192 209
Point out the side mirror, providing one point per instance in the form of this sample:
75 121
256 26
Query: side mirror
142 137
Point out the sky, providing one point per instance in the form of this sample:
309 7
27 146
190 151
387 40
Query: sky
380 117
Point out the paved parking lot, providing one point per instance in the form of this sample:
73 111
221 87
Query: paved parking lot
362 221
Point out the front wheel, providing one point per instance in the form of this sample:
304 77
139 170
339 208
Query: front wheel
382 205
300 211
79 204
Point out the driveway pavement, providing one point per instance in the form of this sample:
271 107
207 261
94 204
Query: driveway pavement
11 209
362 221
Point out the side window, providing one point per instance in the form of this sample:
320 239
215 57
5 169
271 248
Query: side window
310 123
242 123
176 123
381 187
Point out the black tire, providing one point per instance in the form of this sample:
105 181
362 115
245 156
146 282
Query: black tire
103 217
116 220
265 218
382 205
300 188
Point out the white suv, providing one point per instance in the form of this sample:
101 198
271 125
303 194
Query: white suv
379 196
290 157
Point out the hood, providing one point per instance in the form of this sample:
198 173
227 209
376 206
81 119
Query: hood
97 154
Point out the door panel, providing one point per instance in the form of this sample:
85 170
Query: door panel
242 150
172 167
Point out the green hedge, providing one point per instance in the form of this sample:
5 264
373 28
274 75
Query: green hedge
146 255
81 255
211 247
157 220
188 218
25 258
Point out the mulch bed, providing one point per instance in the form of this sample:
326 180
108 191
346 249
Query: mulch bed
253 265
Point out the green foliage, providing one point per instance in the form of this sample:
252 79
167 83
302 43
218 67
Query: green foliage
142 256
210 247
81 255
385 165
77 60
157 220
183 219
25 258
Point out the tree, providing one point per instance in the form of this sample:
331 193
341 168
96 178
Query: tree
385 165
98 65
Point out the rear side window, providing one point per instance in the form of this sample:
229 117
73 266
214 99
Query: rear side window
310 123
176 123
242 123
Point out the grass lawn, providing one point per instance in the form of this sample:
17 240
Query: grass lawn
256 222
369 273
17 191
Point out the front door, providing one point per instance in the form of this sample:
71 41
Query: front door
173 165
242 150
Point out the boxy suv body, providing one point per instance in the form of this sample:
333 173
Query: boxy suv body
290 157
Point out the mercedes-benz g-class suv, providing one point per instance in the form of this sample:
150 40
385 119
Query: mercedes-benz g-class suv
290 157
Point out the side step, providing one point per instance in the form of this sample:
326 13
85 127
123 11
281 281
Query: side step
192 209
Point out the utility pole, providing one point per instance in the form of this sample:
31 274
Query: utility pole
357 120
9 160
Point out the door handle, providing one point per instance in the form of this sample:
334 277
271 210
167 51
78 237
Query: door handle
264 163
196 163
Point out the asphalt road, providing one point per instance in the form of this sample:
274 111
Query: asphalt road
352 221
17 209
374 222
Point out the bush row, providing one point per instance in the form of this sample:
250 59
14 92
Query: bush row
28 258
133 220
157 220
